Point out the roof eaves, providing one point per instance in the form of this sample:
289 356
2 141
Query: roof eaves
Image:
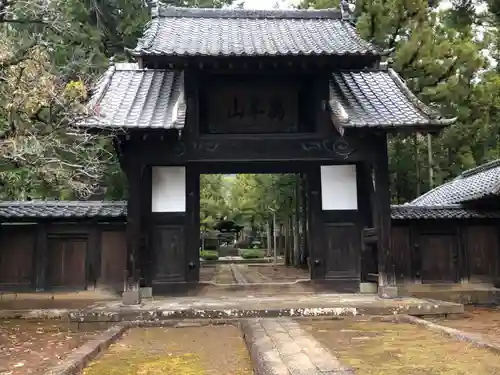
146 52
434 117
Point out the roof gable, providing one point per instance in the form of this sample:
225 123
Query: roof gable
476 183
129 97
378 99
239 32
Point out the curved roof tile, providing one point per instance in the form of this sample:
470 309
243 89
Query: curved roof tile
241 32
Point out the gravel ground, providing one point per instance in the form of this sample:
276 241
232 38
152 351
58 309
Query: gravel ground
31 347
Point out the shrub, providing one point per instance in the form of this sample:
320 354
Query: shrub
256 245
242 244
209 255
252 253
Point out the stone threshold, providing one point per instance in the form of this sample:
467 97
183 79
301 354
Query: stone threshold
243 307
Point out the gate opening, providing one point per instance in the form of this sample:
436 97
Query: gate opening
253 228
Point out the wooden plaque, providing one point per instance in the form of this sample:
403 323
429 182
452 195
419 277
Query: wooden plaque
252 107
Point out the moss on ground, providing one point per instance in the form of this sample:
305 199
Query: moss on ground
380 348
211 350
144 364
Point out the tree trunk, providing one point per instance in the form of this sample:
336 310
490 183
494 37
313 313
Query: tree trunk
288 248
269 239
296 223
296 240
429 156
286 242
281 249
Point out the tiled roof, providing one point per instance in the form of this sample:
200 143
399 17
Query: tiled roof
477 183
377 98
410 212
61 209
129 97
240 32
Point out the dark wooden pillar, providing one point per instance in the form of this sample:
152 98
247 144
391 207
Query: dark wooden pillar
145 249
192 232
93 260
40 266
134 176
315 224
365 197
382 220
304 251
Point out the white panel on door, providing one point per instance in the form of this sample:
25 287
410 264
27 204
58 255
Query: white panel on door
339 190
168 189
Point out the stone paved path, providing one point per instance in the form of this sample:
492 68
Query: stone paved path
280 347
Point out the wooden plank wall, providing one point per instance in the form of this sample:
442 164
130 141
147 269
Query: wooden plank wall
446 251
75 256
17 249
113 258
424 251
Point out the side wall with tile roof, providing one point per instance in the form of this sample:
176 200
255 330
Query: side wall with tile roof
435 251
65 254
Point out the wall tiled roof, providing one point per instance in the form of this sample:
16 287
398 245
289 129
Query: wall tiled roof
477 183
377 98
409 212
11 210
129 97
241 32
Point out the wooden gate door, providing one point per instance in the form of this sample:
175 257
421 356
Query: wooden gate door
168 249
66 262
335 239
439 260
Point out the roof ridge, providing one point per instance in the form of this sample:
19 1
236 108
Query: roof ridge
127 66
421 197
480 168
102 85
167 11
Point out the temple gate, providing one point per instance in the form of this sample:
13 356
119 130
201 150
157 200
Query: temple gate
283 90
